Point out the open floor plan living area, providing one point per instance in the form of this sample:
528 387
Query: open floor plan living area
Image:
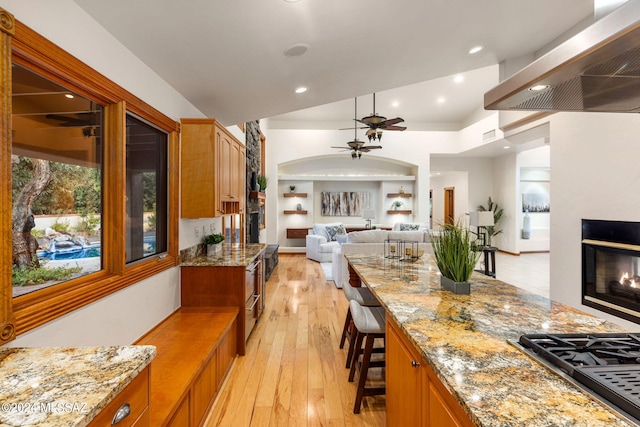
303 213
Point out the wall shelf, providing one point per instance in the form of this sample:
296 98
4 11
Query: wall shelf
295 194
399 212
297 233
405 195
295 212
257 195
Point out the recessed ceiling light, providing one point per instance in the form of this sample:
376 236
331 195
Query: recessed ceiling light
441 100
538 88
506 147
301 89
476 49
68 95
292 1
395 104
296 50
459 78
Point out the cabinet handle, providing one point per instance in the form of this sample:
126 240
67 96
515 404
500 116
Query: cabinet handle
123 412
415 364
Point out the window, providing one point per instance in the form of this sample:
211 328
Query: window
56 172
146 188
97 161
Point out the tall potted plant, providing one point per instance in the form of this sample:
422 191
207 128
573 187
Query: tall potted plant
456 254
492 230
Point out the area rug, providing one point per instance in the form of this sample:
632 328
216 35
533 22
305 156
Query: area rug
326 269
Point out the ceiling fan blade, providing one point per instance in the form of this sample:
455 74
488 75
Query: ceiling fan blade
390 122
394 128
361 127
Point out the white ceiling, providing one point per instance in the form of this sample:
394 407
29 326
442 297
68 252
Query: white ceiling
227 56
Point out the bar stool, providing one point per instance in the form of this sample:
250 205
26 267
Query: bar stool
362 296
369 324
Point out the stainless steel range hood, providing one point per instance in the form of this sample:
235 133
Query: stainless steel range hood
596 70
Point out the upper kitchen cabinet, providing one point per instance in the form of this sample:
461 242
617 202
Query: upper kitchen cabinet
213 170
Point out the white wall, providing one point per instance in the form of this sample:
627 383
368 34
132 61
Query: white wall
505 185
126 315
594 161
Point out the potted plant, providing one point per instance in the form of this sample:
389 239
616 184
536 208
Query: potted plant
262 182
292 188
213 243
456 255
396 205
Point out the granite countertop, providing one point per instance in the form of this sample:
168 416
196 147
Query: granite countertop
56 387
464 340
232 255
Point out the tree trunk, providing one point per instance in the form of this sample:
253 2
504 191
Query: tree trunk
24 244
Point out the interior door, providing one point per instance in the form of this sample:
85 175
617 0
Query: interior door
449 205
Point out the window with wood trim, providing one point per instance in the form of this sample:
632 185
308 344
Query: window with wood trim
94 151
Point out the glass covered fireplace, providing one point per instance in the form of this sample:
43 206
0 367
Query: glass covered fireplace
611 267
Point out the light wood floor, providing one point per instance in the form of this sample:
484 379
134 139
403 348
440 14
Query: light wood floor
294 373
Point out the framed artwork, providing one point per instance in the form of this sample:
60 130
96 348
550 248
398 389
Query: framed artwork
535 202
343 203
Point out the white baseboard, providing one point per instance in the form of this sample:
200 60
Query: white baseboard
292 250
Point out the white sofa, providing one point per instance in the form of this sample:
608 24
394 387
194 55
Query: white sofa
322 240
371 242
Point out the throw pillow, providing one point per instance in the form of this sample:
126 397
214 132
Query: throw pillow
333 230
321 229
409 227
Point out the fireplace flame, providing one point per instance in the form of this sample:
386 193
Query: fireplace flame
626 280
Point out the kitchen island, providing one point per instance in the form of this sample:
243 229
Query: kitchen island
72 386
463 340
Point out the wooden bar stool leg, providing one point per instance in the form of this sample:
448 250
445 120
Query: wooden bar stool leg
355 350
352 345
346 329
364 370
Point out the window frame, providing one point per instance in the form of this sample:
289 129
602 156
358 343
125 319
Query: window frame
32 51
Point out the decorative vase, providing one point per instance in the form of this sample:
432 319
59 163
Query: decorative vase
214 250
526 226
463 288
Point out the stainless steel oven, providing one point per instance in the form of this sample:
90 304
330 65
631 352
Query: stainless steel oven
252 296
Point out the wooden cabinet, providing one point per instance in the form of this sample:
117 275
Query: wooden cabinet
213 177
404 381
195 349
136 396
204 389
415 396
222 286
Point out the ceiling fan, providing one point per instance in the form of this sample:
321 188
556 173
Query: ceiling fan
376 124
85 120
74 119
356 146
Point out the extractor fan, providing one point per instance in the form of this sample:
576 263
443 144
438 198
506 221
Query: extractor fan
356 146
376 124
